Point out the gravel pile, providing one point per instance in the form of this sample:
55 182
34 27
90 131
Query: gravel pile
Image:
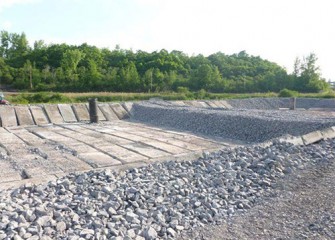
276 103
237 124
156 201
260 103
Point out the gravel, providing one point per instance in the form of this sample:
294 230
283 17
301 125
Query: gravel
276 103
238 124
160 200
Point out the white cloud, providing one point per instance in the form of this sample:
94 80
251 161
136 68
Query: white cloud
8 3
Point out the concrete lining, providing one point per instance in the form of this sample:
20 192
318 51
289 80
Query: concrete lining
23 115
45 151
81 112
119 111
128 106
67 113
108 112
39 115
8 116
53 113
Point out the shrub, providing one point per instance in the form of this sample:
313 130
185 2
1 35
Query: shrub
183 90
287 93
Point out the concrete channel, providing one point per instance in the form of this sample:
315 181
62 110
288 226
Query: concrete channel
39 143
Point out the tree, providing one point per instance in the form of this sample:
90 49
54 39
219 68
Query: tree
69 63
147 79
129 80
5 74
307 75
28 69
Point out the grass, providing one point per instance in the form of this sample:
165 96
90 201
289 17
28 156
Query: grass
52 97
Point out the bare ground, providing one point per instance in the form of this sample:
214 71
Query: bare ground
303 208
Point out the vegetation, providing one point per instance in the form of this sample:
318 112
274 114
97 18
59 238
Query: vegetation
287 93
65 68
50 97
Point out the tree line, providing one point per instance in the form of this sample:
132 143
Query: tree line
63 67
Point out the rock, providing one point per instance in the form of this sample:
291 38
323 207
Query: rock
43 221
150 233
171 232
61 226
86 231
131 217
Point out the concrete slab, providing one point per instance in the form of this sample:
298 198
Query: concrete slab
108 112
219 104
9 177
24 116
146 150
105 137
179 103
128 106
119 111
54 150
194 104
312 137
27 136
211 104
70 164
53 114
226 104
328 133
151 134
292 139
207 144
67 112
38 180
122 154
129 136
73 135
8 116
203 104
98 159
9 138
39 115
7 172
35 172
166 147
82 148
81 112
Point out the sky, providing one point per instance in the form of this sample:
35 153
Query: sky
276 30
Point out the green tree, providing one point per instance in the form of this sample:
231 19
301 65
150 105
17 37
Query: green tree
129 79
14 48
5 73
307 75
28 69
69 63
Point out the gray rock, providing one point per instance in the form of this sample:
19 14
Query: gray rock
61 226
150 233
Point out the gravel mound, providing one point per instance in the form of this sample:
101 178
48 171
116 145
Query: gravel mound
156 201
276 103
260 103
237 124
